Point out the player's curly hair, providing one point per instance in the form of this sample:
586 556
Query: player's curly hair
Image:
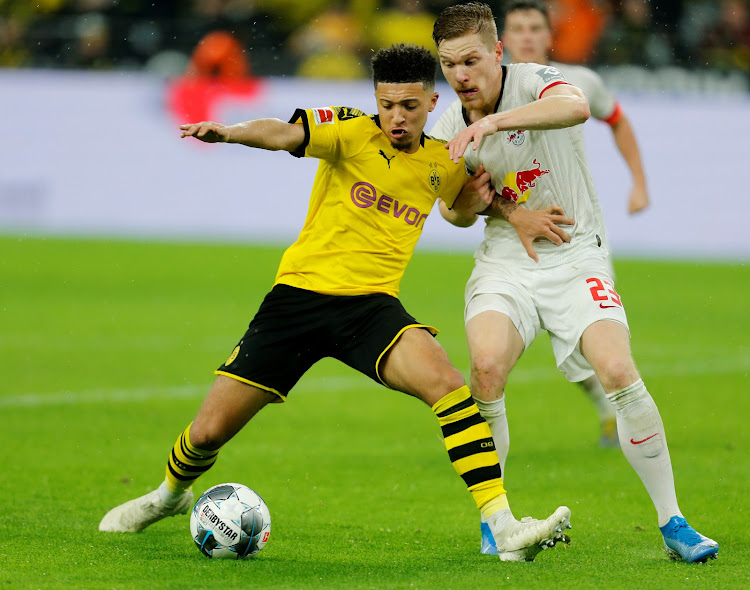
404 63
465 19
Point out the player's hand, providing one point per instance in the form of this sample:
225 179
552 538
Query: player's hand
540 224
207 131
473 133
477 194
638 199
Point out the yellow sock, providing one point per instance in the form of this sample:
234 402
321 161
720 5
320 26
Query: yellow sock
471 449
496 505
187 463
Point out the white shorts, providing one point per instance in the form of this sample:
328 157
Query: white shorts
564 300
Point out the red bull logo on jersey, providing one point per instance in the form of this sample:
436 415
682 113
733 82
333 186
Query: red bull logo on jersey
517 185
365 196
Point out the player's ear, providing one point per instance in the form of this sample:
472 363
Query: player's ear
433 102
498 52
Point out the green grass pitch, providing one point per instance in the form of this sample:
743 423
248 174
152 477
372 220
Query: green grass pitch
107 349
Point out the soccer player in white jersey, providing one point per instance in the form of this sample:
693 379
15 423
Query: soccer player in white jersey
513 125
527 36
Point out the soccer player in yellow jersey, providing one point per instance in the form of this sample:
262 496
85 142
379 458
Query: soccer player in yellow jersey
336 291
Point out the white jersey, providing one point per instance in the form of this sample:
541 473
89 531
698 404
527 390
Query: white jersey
602 103
534 168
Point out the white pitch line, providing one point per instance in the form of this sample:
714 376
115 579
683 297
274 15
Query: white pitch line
719 366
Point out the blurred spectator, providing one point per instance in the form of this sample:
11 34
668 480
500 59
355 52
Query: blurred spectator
13 52
404 21
578 26
218 69
219 55
631 38
293 14
333 39
91 48
726 45
329 45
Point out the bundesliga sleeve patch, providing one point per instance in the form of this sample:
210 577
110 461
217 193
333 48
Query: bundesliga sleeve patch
323 116
550 74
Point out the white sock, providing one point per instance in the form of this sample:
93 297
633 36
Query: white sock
593 388
169 498
494 414
644 444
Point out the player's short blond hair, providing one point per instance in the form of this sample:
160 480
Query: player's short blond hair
466 19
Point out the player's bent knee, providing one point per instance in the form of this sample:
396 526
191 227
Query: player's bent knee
488 376
206 437
616 374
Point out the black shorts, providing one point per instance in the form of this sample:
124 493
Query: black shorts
295 328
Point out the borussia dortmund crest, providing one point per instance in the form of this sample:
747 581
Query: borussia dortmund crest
435 180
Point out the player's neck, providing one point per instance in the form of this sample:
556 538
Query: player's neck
489 106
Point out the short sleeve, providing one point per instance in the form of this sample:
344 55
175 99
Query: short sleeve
601 101
323 133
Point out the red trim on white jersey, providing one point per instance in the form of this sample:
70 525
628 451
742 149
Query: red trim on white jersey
551 85
615 116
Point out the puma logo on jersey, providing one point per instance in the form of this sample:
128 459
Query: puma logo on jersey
387 159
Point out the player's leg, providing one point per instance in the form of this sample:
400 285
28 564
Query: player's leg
500 319
495 346
416 364
229 405
592 388
605 344
588 330
274 353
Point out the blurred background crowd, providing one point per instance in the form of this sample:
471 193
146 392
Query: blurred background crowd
334 39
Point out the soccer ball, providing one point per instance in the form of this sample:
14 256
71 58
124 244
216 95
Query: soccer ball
230 521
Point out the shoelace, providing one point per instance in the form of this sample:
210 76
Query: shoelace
689 536
520 530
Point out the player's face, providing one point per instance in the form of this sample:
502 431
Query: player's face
472 69
527 36
403 110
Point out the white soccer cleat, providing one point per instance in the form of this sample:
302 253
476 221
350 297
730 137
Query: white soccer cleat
136 515
523 539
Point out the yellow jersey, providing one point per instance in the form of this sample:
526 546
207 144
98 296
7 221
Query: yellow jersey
368 204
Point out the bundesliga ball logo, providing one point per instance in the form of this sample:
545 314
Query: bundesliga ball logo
230 521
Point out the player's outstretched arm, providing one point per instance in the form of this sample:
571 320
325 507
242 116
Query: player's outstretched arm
475 197
531 225
559 107
268 134
628 146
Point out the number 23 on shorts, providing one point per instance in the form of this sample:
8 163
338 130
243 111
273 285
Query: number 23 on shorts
602 291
